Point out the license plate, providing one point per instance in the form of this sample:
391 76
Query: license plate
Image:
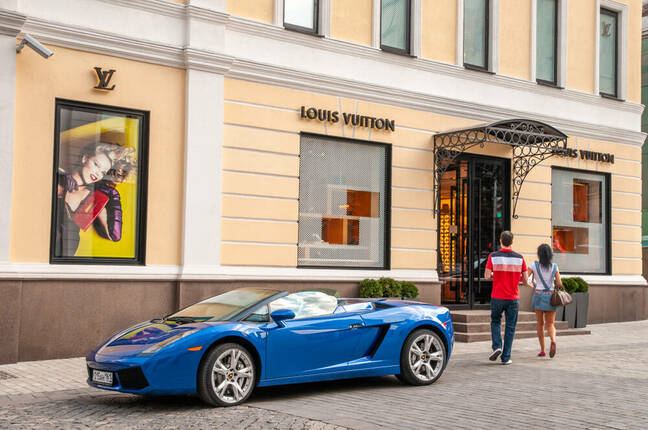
101 377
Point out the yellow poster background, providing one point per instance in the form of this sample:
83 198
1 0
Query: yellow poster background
125 132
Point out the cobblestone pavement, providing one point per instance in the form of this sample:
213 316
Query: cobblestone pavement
598 381
84 411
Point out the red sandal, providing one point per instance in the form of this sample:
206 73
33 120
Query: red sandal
553 349
541 354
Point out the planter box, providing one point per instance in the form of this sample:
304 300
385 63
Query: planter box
560 313
582 304
570 314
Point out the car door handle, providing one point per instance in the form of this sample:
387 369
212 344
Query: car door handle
355 325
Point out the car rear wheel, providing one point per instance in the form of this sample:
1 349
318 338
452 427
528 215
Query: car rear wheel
228 375
423 358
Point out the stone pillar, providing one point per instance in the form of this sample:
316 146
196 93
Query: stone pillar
206 21
10 25
203 173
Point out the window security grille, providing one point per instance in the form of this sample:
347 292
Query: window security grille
342 201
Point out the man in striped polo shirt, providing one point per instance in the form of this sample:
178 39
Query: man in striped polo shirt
506 267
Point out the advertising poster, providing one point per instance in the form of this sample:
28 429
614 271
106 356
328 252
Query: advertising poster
97 184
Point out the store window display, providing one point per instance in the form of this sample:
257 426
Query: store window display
97 204
580 221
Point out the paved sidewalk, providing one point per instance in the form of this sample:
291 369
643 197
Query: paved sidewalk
30 377
596 381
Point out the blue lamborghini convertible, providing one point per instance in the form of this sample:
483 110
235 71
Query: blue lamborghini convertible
223 347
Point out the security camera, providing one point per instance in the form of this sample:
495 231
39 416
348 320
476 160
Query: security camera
35 45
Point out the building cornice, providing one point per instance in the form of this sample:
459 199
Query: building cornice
159 7
42 271
207 61
271 31
295 79
207 15
614 280
11 22
92 40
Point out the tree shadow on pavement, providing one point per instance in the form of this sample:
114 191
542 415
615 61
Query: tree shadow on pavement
281 392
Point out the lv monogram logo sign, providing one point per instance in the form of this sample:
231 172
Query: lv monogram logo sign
607 29
104 79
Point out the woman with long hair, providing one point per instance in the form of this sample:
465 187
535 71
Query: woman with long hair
545 274
75 188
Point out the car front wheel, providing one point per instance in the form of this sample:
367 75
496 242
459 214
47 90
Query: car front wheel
423 358
228 375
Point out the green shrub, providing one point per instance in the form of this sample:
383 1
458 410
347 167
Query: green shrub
409 290
581 285
370 288
570 285
390 287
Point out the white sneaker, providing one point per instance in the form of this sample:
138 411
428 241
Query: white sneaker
495 354
507 362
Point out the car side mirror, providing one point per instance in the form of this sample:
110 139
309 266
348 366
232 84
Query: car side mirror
280 315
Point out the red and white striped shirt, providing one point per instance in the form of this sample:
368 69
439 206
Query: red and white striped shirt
507 267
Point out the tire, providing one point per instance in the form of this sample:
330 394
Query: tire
224 383
420 365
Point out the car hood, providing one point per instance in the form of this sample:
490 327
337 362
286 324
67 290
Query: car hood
140 337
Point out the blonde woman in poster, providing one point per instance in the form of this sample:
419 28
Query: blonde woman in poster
80 203
108 223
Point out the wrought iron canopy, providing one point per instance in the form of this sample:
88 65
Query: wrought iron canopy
532 142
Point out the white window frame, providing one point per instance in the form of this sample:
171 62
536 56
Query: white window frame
375 27
323 19
493 35
622 46
415 30
416 9
561 34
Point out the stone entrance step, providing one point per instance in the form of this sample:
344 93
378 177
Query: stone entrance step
483 316
485 327
474 326
479 337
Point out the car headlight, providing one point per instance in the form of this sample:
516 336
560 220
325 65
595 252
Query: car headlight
158 346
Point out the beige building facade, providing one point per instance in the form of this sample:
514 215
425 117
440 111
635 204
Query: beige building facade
253 149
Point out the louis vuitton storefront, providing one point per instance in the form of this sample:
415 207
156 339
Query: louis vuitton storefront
143 175
478 197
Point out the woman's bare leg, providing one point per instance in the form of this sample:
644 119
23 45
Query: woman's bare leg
549 318
540 328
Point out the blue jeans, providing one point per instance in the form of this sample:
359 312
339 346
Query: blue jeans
510 308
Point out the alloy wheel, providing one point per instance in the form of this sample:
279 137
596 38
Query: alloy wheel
426 357
232 375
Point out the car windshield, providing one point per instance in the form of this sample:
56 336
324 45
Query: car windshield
306 304
224 306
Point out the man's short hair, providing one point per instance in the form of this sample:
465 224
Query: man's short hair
506 238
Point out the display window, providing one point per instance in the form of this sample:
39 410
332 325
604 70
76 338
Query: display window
344 194
99 184
580 221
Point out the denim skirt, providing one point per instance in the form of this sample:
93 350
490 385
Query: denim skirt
542 302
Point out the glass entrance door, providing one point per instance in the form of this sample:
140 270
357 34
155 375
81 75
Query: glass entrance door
474 210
